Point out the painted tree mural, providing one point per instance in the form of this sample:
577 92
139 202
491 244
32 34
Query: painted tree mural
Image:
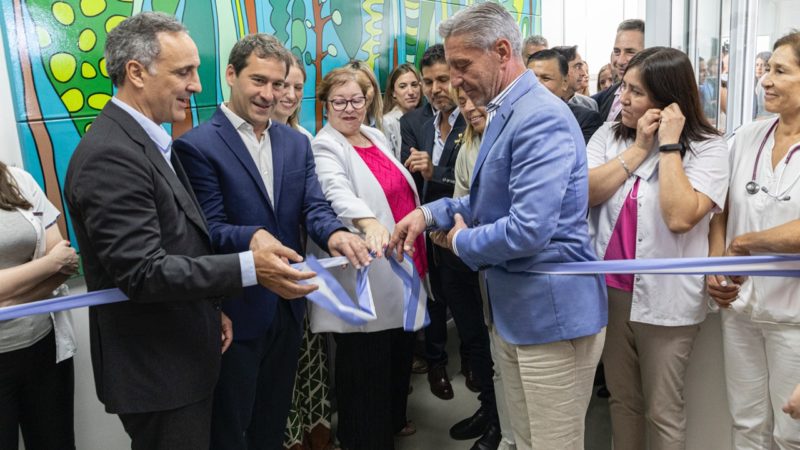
59 81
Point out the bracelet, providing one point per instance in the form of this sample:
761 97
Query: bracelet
624 166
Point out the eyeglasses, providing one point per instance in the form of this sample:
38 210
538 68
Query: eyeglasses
340 104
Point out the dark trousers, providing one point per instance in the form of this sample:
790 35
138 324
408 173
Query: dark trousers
460 288
436 331
184 428
36 395
254 391
373 371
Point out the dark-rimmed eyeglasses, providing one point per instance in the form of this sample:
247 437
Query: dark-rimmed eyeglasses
340 104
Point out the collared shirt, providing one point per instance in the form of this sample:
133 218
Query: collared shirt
616 105
260 148
163 141
439 140
491 110
666 300
763 299
154 131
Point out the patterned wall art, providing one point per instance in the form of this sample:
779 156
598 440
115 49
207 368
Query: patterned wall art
54 53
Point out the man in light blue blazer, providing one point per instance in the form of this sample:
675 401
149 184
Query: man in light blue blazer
527 205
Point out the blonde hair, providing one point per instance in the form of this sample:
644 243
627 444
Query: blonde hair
294 119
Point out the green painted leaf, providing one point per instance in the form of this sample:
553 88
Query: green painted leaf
350 28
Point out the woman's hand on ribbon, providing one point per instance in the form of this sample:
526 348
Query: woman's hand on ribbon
375 235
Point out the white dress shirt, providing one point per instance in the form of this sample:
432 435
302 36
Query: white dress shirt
259 147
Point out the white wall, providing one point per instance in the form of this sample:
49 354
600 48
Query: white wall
94 428
590 25
10 148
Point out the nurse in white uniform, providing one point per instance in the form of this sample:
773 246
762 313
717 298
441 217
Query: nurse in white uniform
761 315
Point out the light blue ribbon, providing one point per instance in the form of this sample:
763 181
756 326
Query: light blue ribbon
330 296
361 310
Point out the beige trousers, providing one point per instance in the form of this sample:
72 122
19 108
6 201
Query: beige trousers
547 389
645 367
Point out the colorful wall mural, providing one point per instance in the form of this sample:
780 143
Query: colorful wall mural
54 53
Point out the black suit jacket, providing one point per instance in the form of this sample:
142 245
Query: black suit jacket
442 183
589 120
411 135
140 229
605 99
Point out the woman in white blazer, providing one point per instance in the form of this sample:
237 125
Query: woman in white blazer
370 191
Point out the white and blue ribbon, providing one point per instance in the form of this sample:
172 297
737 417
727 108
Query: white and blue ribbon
330 295
334 298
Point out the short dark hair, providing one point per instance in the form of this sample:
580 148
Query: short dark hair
668 77
264 46
631 25
548 54
792 40
568 52
433 55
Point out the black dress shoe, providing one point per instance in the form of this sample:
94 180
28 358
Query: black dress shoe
471 427
490 440
470 382
440 383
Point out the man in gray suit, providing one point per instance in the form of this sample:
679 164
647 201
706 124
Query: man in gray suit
156 358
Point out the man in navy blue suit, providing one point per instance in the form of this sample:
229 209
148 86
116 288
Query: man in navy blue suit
256 183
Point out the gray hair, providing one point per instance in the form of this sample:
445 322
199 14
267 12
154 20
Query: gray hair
631 25
483 24
537 40
265 46
136 39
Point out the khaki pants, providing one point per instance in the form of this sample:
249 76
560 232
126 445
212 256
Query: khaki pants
547 389
645 367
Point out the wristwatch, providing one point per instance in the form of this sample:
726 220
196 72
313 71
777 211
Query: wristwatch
671 147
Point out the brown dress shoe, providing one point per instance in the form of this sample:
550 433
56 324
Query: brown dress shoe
440 383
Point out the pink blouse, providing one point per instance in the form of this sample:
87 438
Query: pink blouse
398 193
622 244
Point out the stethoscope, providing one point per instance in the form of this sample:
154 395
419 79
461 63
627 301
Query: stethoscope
753 188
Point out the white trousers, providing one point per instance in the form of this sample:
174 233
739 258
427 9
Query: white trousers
762 367
547 388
